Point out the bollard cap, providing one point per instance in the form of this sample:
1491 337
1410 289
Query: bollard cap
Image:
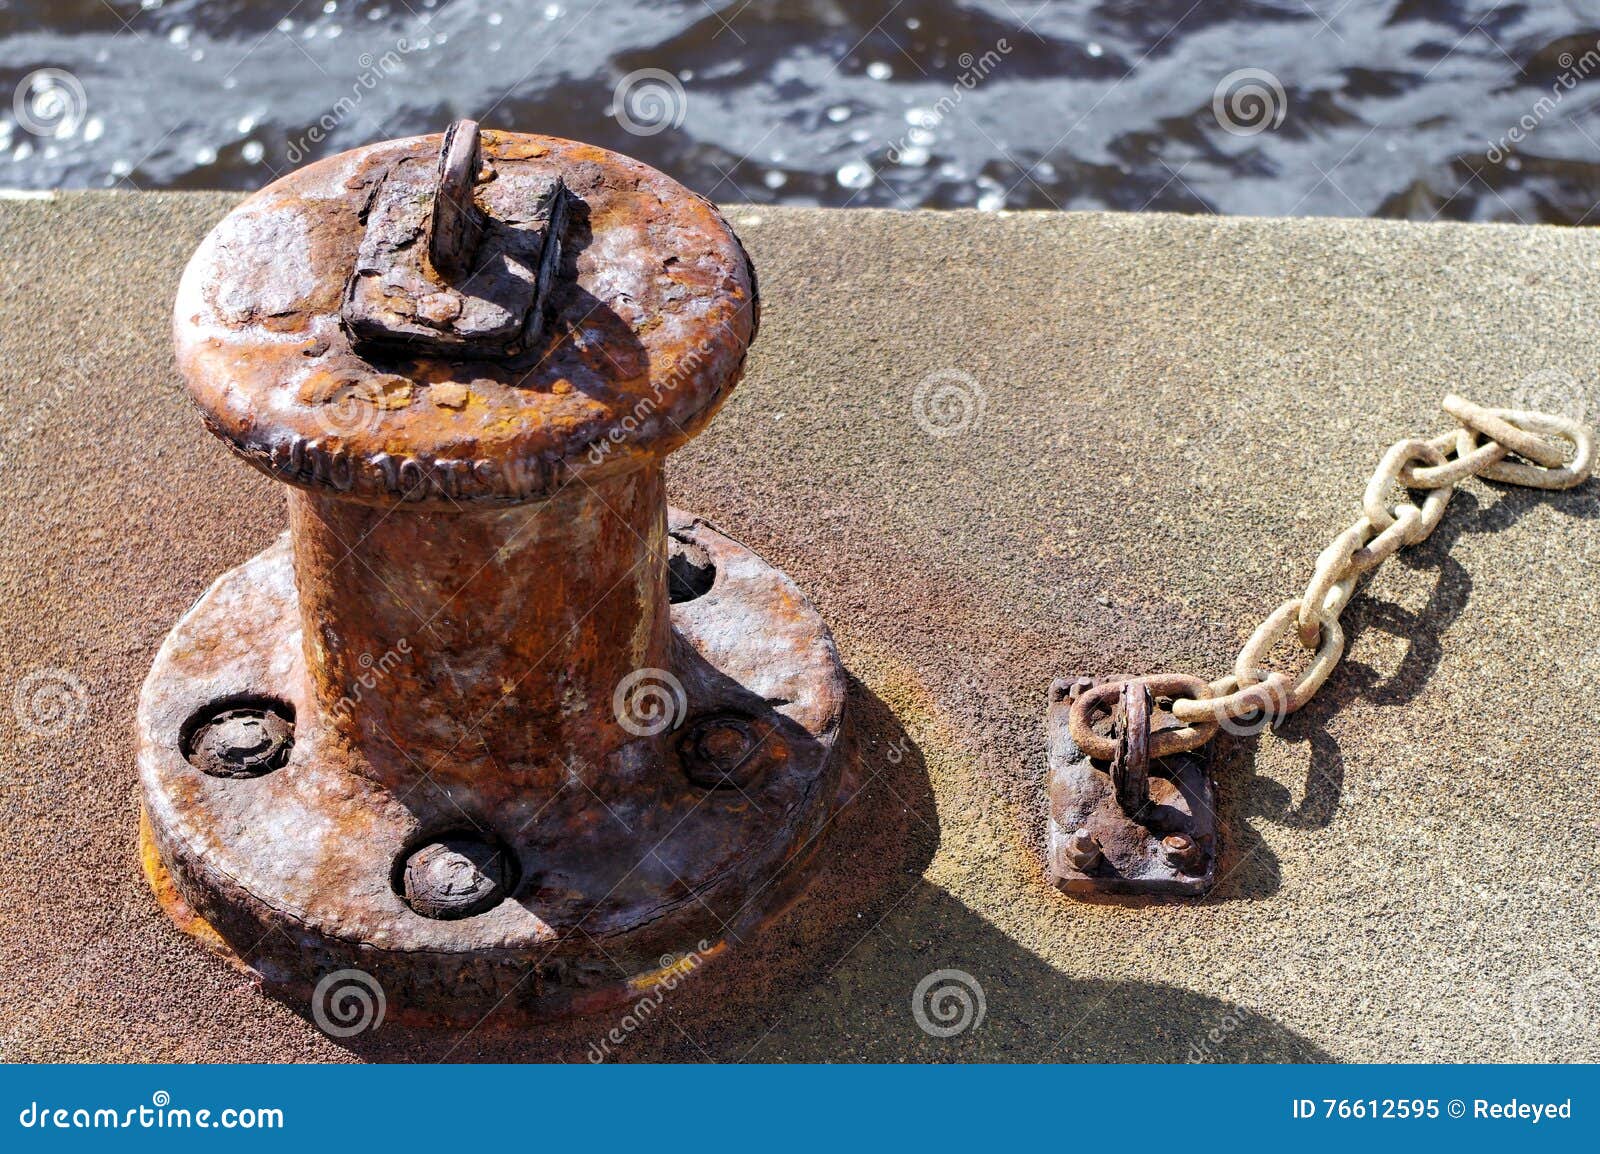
464 317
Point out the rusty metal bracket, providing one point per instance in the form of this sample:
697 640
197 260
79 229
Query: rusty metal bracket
1133 823
437 272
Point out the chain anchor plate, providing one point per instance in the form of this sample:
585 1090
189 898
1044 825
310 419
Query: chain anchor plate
1126 816
1131 827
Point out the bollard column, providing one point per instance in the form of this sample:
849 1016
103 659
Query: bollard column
489 724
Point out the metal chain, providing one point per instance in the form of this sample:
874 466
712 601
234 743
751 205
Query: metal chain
1434 466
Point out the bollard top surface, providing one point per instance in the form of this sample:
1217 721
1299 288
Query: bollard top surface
325 347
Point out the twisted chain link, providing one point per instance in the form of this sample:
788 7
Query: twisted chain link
1434 466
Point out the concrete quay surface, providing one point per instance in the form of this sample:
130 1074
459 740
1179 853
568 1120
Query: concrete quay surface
1143 429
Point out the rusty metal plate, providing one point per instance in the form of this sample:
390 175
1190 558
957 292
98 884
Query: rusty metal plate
1123 853
495 307
691 835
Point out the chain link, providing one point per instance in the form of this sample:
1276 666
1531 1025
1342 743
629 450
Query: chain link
1434 466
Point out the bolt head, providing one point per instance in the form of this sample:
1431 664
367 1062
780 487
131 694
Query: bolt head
243 741
1069 688
722 751
456 878
1181 852
1083 850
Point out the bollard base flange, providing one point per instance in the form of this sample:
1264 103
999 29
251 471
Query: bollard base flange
296 873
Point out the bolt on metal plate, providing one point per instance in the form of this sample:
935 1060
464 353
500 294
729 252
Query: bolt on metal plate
1134 824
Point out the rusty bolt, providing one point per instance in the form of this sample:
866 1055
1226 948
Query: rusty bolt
1083 850
455 878
1181 852
720 752
242 741
1068 688
456 224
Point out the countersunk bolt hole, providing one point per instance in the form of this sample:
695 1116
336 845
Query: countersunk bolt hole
455 875
721 751
690 570
242 736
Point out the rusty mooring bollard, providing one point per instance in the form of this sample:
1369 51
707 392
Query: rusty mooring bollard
489 722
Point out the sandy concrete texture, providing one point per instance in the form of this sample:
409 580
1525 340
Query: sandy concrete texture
1166 418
